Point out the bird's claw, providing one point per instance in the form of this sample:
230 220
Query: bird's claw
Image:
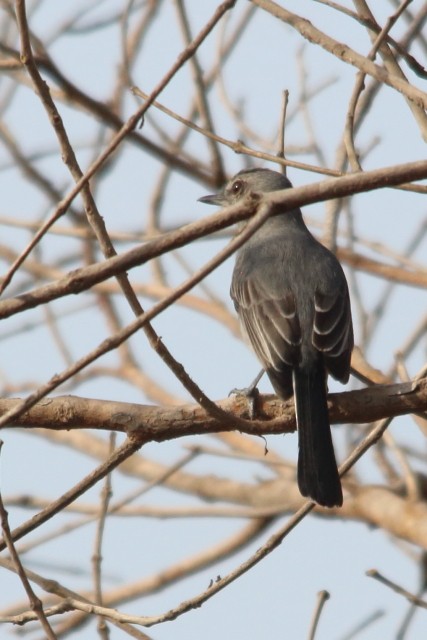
251 394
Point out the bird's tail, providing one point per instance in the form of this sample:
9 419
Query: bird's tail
317 469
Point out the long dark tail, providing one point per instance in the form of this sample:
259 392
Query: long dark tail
318 476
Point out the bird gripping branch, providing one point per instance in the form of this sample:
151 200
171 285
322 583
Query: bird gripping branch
291 296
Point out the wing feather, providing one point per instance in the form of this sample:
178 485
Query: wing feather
332 331
269 321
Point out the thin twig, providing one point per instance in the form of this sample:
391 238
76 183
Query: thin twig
322 597
281 150
419 602
97 554
35 602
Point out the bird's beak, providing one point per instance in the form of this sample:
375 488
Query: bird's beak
216 198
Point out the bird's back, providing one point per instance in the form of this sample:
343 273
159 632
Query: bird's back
281 260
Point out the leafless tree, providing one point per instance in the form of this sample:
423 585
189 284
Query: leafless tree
115 117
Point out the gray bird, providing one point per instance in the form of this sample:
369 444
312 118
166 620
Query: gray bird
292 300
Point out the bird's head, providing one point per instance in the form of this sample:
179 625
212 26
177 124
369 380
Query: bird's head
248 181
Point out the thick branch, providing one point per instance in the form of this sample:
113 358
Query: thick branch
165 423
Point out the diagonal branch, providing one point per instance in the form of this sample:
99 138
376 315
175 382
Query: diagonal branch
344 52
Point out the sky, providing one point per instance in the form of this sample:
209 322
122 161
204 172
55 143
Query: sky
278 596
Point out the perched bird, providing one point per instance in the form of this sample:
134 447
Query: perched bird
292 300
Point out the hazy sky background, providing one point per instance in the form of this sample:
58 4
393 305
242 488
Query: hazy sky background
276 598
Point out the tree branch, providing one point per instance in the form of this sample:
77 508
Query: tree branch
160 424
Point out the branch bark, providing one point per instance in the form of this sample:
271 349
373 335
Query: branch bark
160 424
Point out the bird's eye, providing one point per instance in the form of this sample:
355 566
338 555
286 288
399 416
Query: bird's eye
236 187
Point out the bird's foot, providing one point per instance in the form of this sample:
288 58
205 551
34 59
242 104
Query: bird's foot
251 394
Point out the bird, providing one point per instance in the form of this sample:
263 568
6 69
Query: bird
291 296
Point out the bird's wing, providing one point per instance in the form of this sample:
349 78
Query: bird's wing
333 331
269 320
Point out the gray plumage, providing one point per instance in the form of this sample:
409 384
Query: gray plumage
292 299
